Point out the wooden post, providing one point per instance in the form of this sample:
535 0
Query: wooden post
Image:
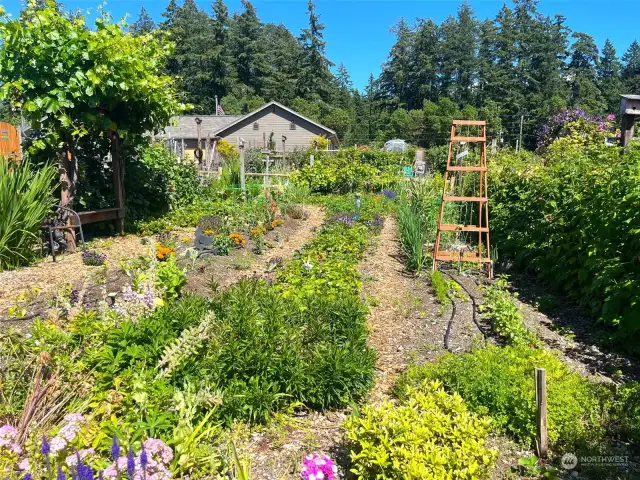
284 149
243 186
312 159
68 180
118 180
266 171
626 134
542 439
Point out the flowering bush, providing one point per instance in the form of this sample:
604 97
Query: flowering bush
62 455
258 231
574 128
93 258
162 252
238 239
318 467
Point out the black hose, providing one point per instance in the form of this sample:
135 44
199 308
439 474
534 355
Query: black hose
448 332
474 304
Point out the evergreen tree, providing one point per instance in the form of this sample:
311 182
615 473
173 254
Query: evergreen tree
315 74
344 86
192 62
394 80
631 69
583 75
282 73
248 48
144 23
423 68
609 77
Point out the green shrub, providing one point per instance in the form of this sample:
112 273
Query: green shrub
575 223
431 434
353 170
371 206
500 382
170 278
503 314
26 197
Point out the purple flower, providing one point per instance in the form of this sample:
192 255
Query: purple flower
60 475
27 476
115 448
93 258
389 194
144 458
46 448
131 463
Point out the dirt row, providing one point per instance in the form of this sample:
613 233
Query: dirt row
49 277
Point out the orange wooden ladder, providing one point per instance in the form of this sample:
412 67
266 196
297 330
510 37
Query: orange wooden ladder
482 228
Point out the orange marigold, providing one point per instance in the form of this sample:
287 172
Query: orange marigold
163 252
238 239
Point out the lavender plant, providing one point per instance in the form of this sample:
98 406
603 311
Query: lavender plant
93 258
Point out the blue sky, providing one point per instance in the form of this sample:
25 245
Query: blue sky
357 31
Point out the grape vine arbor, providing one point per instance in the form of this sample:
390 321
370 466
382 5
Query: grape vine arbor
71 82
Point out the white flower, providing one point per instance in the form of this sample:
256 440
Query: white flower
307 266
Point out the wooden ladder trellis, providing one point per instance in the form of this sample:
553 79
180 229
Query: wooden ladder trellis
483 254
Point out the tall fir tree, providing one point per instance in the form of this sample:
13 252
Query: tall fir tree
423 67
144 23
631 69
248 48
316 75
583 74
395 76
609 77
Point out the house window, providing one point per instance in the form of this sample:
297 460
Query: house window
256 126
292 126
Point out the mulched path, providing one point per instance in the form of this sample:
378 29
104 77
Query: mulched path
406 326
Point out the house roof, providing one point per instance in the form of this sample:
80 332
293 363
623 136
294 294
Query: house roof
267 105
185 126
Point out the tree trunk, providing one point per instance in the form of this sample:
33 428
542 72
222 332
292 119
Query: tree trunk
68 181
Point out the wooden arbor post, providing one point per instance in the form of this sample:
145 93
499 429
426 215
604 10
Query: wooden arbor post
118 180
68 181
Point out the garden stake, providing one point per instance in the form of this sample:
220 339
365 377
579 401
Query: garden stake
542 440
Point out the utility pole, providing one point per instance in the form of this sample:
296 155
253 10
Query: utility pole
216 105
520 143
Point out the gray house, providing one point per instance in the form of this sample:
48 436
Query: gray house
271 127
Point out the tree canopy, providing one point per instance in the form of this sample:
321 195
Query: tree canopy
69 81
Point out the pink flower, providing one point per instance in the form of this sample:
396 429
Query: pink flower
24 464
318 467
7 431
72 460
58 444
611 116
74 418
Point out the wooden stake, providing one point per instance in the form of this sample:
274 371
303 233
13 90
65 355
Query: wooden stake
68 180
541 412
243 186
118 180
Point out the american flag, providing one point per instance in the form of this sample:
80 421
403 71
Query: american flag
219 110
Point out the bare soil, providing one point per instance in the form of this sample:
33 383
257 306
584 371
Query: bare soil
49 277
282 242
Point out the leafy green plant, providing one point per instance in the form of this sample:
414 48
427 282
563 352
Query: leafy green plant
170 278
25 199
504 316
417 220
575 223
500 382
353 170
431 434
